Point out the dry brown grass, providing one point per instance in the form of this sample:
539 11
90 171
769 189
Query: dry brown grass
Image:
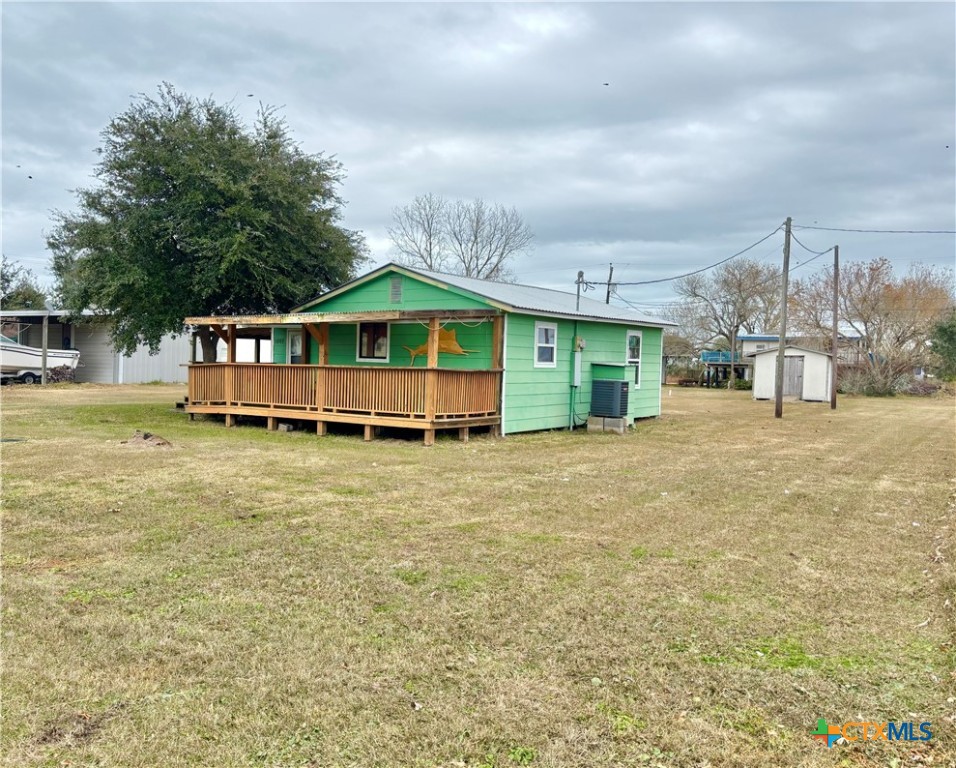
696 593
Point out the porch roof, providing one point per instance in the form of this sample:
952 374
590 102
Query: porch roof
312 318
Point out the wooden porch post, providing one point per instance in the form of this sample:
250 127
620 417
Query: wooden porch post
321 335
306 342
497 342
228 334
498 361
323 343
231 344
431 381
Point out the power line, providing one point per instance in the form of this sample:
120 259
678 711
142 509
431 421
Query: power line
704 269
881 231
772 278
664 306
809 250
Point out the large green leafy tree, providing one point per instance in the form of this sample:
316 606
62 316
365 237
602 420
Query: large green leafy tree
19 288
196 214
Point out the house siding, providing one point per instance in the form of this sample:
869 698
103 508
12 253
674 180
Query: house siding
475 337
375 295
540 398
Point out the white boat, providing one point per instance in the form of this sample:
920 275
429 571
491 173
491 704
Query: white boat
18 359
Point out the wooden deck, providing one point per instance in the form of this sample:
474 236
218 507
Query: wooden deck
418 398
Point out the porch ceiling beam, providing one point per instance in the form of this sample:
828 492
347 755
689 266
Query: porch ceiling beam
303 318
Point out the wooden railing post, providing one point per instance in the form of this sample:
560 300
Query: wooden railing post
321 376
229 388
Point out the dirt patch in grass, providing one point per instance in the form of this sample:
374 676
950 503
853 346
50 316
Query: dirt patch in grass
697 592
146 440
76 727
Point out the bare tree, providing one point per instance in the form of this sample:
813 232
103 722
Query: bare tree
483 237
738 295
418 232
894 315
474 239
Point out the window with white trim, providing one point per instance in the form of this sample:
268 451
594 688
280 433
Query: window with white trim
634 355
372 342
545 345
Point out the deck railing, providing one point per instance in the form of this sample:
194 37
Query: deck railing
411 393
715 356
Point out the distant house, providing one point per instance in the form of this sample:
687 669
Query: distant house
806 373
402 347
718 362
99 362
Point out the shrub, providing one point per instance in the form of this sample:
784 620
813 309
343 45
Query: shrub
922 388
60 374
862 381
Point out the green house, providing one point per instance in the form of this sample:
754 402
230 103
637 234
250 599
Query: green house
410 348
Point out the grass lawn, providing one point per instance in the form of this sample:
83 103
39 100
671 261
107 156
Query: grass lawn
696 593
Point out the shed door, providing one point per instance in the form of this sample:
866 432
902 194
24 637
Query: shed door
793 376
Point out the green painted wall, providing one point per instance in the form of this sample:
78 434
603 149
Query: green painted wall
343 345
541 398
416 295
278 345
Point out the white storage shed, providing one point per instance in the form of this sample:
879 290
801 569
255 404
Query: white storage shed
806 373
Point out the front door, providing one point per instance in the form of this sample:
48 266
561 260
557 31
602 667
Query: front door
793 377
295 347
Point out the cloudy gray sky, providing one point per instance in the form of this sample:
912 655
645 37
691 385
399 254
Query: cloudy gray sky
717 121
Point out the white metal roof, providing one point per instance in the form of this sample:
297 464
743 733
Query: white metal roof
774 350
539 300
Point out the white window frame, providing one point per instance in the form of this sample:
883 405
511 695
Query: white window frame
629 360
288 345
358 343
537 345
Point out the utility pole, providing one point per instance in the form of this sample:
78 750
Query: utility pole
836 338
778 389
609 276
733 346
46 340
579 282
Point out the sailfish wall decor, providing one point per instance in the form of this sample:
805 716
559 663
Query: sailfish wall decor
447 342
